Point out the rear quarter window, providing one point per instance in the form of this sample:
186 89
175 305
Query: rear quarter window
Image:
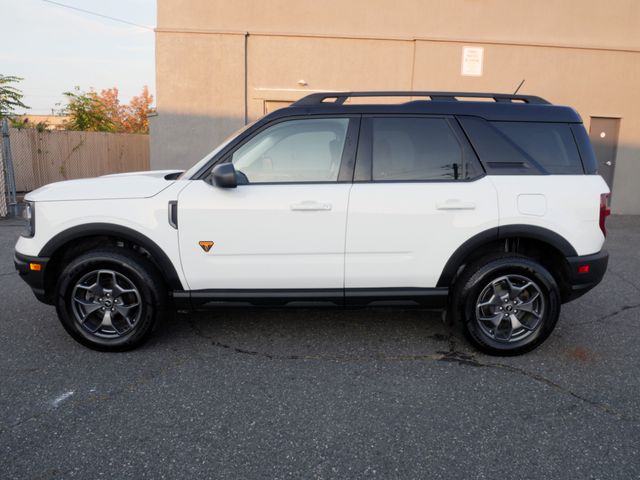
550 145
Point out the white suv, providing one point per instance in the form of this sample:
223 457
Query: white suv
490 209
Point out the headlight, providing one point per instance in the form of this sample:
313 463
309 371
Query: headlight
29 214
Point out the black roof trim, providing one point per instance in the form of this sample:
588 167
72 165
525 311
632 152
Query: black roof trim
490 111
341 97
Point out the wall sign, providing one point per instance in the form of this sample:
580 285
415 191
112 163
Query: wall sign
472 61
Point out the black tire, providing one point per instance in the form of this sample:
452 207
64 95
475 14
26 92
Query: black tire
134 275
477 286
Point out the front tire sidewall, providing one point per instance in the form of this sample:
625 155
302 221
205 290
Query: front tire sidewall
474 286
127 267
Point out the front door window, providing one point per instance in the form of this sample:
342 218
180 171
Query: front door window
295 151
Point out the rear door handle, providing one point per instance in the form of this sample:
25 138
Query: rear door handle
455 204
310 205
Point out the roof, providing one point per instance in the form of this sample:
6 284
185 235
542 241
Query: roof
500 107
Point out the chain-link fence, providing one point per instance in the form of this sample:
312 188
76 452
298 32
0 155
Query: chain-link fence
3 186
7 177
32 158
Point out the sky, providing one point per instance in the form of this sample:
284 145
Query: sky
55 49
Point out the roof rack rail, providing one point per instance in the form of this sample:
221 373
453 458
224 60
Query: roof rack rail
341 97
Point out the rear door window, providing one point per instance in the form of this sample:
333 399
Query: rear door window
416 149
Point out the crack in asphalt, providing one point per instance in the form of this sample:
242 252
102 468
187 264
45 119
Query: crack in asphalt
451 355
609 315
274 356
624 279
35 416
603 407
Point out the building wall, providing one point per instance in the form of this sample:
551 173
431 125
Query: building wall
50 122
220 64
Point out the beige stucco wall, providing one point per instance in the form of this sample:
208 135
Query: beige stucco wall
202 98
581 53
612 24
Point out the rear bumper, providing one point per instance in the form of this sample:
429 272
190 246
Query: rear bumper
34 278
584 273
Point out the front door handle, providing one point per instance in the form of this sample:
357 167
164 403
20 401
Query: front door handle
310 205
455 204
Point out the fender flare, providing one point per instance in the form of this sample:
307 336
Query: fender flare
498 233
167 268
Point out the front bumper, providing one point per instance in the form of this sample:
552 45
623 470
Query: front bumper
584 273
34 277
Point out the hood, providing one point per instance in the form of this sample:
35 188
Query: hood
108 187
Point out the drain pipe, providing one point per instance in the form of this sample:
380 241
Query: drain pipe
246 78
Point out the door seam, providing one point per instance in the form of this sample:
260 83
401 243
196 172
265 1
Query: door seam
344 249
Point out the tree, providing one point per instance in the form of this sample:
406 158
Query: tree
10 96
103 112
87 112
112 107
136 115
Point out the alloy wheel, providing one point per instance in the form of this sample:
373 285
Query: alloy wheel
106 304
510 308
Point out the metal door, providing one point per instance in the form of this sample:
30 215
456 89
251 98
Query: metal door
603 133
402 228
284 226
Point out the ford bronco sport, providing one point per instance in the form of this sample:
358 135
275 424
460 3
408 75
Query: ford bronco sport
487 205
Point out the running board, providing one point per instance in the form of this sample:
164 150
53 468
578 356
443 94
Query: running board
306 298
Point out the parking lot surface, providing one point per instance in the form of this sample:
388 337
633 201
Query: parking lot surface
324 393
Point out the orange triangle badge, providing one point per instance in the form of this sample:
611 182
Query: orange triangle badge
206 245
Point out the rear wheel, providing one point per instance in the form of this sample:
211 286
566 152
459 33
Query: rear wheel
110 299
508 304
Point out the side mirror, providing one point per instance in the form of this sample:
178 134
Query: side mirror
224 176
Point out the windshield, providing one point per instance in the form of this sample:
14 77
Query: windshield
193 170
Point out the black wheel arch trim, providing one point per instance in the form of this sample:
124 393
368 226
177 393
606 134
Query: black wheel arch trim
498 233
167 268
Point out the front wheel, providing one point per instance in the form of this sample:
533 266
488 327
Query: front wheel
110 299
508 304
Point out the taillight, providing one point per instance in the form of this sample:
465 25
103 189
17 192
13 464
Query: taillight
605 211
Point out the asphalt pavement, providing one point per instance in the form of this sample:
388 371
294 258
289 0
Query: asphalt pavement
324 394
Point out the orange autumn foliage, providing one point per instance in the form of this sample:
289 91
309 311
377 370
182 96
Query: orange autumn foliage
104 112
128 118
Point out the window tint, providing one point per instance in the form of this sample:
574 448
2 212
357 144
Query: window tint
294 151
550 144
415 149
498 154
